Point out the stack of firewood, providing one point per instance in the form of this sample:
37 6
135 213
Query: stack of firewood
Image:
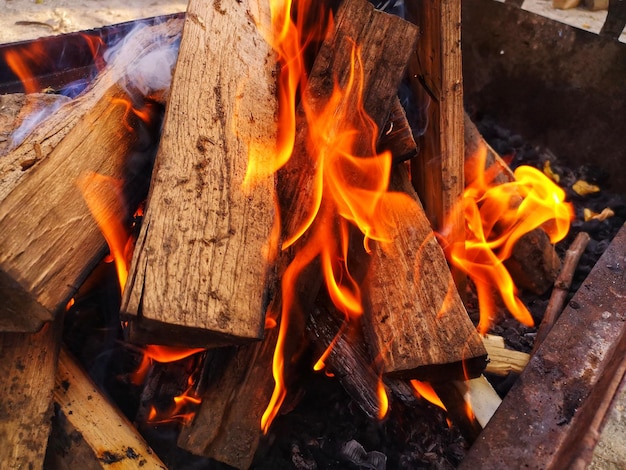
200 275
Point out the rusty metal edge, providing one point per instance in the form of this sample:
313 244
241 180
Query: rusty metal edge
548 411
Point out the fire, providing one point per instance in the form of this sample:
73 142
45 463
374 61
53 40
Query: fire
104 198
103 195
182 410
496 216
426 391
142 113
383 400
24 61
289 40
349 180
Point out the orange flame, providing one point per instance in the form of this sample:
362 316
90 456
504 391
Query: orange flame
183 407
426 391
21 63
383 400
162 354
289 40
182 410
142 113
23 60
495 220
348 190
104 198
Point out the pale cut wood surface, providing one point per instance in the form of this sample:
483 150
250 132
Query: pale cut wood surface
113 439
503 361
199 275
27 367
417 322
385 62
437 80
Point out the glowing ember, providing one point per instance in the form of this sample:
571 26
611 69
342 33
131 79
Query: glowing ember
496 217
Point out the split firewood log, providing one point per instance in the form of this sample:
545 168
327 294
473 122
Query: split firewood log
199 272
28 363
49 240
107 437
436 79
416 320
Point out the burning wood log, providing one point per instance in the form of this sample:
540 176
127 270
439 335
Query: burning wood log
227 427
568 380
355 22
27 364
198 276
385 63
348 358
111 438
533 264
48 238
417 322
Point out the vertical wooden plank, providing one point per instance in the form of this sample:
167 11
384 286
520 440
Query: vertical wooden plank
199 273
436 79
27 367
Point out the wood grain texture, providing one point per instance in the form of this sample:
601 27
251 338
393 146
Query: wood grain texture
227 427
44 137
417 322
112 438
349 360
198 276
27 366
48 239
436 79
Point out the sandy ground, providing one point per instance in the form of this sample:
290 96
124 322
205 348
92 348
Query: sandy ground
30 19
